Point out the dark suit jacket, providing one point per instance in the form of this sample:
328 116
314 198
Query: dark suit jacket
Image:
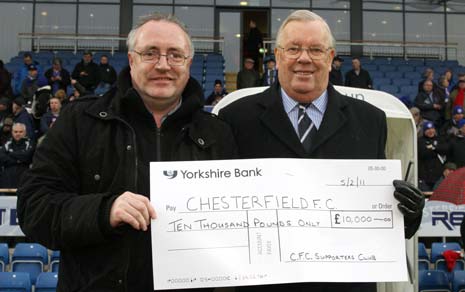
351 129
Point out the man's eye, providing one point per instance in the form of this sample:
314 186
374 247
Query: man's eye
150 54
293 50
177 56
316 50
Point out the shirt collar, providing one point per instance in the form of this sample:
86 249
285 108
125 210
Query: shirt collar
320 103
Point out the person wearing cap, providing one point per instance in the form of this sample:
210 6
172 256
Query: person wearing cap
57 76
335 75
457 146
270 74
449 168
248 77
86 72
358 77
217 94
450 129
20 115
23 72
33 81
431 157
15 156
332 125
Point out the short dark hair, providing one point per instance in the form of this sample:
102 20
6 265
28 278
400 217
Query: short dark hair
27 55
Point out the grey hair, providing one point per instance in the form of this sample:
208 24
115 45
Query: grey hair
156 16
15 125
306 15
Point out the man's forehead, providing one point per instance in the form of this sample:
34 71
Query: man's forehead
173 36
290 35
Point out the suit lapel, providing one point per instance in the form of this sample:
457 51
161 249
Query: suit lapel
276 120
333 119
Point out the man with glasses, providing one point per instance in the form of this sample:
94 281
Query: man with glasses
303 116
87 192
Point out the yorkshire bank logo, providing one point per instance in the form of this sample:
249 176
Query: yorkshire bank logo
170 174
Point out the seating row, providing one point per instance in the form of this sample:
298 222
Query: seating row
21 282
438 281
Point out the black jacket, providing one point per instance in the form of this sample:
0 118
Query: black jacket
426 106
362 80
89 81
15 157
61 84
262 130
107 73
92 155
457 151
430 166
335 76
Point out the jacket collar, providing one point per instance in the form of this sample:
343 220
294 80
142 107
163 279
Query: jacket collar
276 120
110 105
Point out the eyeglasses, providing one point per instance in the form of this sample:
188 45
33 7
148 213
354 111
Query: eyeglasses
153 57
316 53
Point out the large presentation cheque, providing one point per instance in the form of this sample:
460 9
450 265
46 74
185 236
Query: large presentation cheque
265 221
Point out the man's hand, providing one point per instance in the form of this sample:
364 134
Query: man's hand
132 209
411 200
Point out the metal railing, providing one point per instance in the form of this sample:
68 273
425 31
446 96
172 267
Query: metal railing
101 42
433 50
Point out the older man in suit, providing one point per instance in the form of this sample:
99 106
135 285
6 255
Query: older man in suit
303 116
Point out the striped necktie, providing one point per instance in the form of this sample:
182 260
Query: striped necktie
307 129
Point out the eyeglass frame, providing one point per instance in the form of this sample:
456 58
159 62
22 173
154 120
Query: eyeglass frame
301 49
159 58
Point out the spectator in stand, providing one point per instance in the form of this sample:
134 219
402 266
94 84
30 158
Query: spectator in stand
431 157
358 77
23 72
457 96
50 116
5 109
218 93
20 115
270 74
460 76
450 78
107 76
248 77
253 43
33 81
449 168
5 82
450 129
428 74
5 133
430 104
61 95
57 76
15 157
457 146
418 120
335 75
86 72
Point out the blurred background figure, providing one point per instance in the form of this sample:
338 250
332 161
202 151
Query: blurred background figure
218 93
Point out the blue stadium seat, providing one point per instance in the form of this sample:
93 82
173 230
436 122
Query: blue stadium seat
46 282
437 248
387 68
30 258
423 257
412 75
450 63
405 68
54 261
421 69
380 61
392 74
458 282
11 281
214 58
381 81
377 74
398 62
4 256
401 81
430 281
370 67
392 89
12 67
416 62
433 63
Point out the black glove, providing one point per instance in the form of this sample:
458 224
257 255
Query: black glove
411 204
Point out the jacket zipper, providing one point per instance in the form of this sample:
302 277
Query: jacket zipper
158 144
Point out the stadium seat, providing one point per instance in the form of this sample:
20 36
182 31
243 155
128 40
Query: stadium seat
416 62
377 74
4 256
370 67
387 68
11 281
30 258
437 248
423 257
392 74
412 75
54 261
46 282
405 68
381 81
392 89
401 81
458 282
433 281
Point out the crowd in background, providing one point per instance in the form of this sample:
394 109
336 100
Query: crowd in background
31 106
